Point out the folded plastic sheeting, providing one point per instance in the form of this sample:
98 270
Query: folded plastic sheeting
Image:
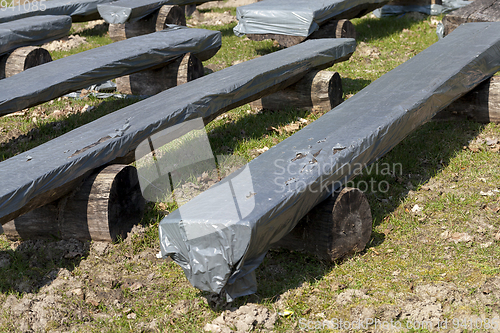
50 80
34 30
222 235
29 176
132 10
80 10
297 17
432 9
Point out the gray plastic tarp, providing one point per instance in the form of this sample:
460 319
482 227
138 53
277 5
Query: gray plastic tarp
132 10
295 17
53 79
221 236
432 9
50 166
35 30
79 10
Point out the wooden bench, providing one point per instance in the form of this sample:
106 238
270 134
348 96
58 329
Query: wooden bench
51 80
122 11
219 249
54 169
292 22
79 10
18 39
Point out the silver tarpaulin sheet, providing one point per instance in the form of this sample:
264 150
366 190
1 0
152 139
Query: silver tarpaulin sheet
35 30
297 17
29 177
79 10
51 80
221 236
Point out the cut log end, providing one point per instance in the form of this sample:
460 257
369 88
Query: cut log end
170 14
154 81
333 229
482 104
104 208
21 59
318 90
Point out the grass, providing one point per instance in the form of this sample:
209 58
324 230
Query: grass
433 168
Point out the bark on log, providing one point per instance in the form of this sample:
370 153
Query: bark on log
481 104
331 29
154 81
414 2
477 11
335 29
336 227
21 59
107 205
156 21
318 90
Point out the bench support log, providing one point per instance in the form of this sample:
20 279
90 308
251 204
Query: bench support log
331 29
477 11
338 226
318 90
156 21
21 59
481 104
154 81
107 205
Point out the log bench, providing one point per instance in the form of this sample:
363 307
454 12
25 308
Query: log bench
477 11
292 22
17 40
52 170
122 11
221 236
79 10
104 63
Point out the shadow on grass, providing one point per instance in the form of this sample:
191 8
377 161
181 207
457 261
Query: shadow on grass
369 29
34 264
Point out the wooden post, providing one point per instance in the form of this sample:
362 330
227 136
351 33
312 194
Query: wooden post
318 90
156 21
107 205
330 29
335 29
154 81
21 59
481 104
336 227
477 11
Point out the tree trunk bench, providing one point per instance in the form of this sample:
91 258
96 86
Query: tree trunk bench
17 38
221 236
104 63
79 10
292 22
122 11
114 137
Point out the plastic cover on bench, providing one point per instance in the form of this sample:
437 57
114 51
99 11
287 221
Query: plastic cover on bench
53 79
132 10
35 30
221 236
32 174
80 10
296 17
